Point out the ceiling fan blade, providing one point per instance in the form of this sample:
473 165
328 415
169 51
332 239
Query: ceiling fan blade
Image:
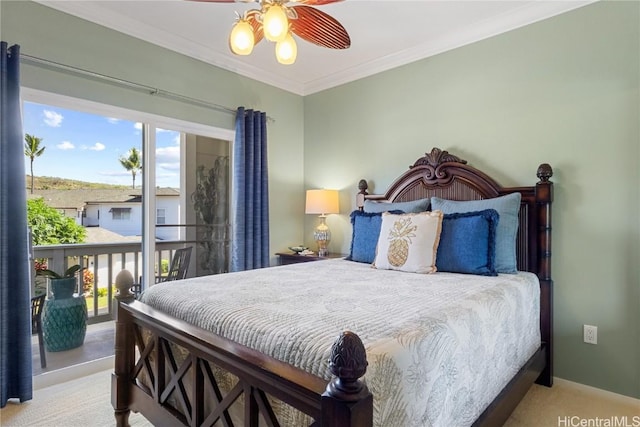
319 28
252 18
314 2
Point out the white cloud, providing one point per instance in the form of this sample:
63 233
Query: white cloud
176 140
138 126
117 173
98 146
169 166
65 145
112 120
168 158
168 154
53 119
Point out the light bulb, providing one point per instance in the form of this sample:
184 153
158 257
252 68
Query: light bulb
287 50
275 23
241 39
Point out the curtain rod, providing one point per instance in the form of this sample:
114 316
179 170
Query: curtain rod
34 60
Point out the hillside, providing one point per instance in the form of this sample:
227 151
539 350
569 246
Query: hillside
55 183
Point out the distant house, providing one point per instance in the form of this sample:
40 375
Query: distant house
116 210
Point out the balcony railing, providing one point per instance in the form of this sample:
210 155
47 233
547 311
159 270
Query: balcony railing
104 261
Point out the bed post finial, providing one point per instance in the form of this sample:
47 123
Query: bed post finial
544 172
362 186
347 400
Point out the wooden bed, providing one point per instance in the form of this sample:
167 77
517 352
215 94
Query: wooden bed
148 369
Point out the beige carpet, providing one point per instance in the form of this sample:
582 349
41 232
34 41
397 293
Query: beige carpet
86 403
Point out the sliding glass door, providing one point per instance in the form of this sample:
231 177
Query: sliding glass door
137 216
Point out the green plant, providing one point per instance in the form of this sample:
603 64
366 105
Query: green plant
132 163
50 227
32 150
87 281
103 292
71 272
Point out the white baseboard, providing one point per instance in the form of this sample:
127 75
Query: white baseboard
596 391
72 372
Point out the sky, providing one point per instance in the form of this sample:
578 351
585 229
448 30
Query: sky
87 147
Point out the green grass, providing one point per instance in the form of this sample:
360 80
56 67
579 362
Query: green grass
103 302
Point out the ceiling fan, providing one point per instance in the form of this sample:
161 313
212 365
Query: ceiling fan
277 20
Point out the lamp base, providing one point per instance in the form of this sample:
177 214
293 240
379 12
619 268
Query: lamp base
322 251
322 236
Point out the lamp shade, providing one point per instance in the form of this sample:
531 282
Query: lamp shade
275 23
241 39
322 202
287 50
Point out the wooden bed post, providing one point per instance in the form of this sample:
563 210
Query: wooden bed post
347 401
123 351
544 198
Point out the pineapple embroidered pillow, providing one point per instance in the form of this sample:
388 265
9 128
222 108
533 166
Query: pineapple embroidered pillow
409 242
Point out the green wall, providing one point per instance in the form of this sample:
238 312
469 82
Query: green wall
46 33
562 91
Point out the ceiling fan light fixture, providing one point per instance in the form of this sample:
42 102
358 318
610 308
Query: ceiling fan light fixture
275 23
278 20
241 39
287 50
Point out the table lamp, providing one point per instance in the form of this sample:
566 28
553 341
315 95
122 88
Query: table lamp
322 202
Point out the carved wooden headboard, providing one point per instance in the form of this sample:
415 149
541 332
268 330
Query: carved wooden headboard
445 175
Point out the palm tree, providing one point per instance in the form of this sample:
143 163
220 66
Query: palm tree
132 163
32 150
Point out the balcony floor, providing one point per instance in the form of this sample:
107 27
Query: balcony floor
98 344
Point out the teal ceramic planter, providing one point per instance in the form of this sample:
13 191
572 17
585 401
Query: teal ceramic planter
64 323
63 288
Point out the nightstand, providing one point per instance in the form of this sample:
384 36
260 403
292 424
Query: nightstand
285 258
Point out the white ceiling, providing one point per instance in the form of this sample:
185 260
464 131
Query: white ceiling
384 34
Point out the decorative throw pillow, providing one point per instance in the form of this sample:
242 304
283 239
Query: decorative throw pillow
507 207
420 205
409 242
468 243
364 237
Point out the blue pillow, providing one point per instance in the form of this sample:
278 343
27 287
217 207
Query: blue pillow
413 206
507 207
364 238
468 243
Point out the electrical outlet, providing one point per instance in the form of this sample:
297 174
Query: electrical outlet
590 334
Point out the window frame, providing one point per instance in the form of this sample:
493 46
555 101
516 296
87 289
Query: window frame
163 216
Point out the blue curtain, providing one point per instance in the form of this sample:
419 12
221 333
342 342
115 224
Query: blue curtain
15 303
250 244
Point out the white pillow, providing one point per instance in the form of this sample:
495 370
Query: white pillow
409 242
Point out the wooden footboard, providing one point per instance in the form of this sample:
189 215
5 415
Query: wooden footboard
166 374
148 371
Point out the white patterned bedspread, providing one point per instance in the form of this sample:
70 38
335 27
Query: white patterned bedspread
440 346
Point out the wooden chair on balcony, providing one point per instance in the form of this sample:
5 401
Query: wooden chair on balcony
179 265
177 269
37 303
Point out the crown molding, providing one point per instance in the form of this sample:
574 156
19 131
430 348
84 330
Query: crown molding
528 13
517 18
92 12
